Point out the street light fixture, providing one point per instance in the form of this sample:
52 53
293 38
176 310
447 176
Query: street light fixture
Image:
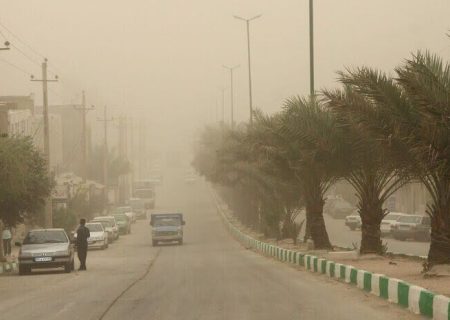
247 22
6 47
231 69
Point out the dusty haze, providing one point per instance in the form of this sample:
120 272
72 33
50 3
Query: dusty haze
164 58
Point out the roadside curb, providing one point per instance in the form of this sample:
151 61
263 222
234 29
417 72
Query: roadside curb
416 299
8 267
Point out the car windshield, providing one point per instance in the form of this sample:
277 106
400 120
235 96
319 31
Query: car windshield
106 223
167 222
105 220
409 219
45 236
392 217
94 227
123 209
120 217
137 204
144 193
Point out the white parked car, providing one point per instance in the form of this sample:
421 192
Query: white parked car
110 225
353 221
389 221
99 236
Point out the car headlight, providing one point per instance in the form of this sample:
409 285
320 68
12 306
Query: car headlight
25 254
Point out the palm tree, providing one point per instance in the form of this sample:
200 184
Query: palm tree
310 142
369 170
411 119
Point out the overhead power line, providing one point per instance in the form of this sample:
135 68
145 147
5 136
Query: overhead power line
16 67
21 40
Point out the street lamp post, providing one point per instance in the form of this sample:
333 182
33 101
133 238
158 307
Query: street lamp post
247 22
311 48
231 69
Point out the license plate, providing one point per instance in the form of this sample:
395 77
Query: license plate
42 259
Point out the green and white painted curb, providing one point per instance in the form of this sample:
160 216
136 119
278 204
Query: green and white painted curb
6 267
418 300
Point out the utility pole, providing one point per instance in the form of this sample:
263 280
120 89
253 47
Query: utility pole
123 153
105 121
83 110
247 22
311 48
223 105
45 80
142 148
231 69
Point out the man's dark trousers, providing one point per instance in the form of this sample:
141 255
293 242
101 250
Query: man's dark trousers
82 254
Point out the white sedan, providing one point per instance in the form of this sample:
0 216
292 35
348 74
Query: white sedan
98 238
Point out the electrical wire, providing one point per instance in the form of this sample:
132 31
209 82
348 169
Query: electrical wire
15 67
21 40
25 55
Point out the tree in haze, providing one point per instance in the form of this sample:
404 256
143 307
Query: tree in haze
313 147
411 119
24 181
369 169
256 190
117 166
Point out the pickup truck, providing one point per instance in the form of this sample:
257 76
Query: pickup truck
167 227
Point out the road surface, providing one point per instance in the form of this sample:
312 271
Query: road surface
341 235
210 277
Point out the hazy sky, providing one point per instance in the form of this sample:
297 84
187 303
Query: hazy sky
165 57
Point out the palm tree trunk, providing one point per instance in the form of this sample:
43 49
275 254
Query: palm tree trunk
316 225
371 239
439 252
371 213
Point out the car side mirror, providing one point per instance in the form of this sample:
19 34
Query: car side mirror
18 244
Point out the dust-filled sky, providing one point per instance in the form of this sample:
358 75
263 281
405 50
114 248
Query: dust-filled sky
165 57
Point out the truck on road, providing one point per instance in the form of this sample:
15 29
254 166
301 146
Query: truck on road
167 227
145 190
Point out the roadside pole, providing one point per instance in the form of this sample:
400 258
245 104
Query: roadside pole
84 111
311 48
105 121
45 80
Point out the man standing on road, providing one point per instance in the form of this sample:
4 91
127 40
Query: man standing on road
82 244
6 237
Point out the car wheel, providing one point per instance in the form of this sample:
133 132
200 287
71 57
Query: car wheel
154 243
72 265
352 228
180 242
68 267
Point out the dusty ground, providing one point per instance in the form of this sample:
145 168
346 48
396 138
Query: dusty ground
404 268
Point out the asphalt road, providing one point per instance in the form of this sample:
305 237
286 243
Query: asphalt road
341 235
210 277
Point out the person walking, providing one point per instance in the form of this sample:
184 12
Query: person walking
82 243
6 237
